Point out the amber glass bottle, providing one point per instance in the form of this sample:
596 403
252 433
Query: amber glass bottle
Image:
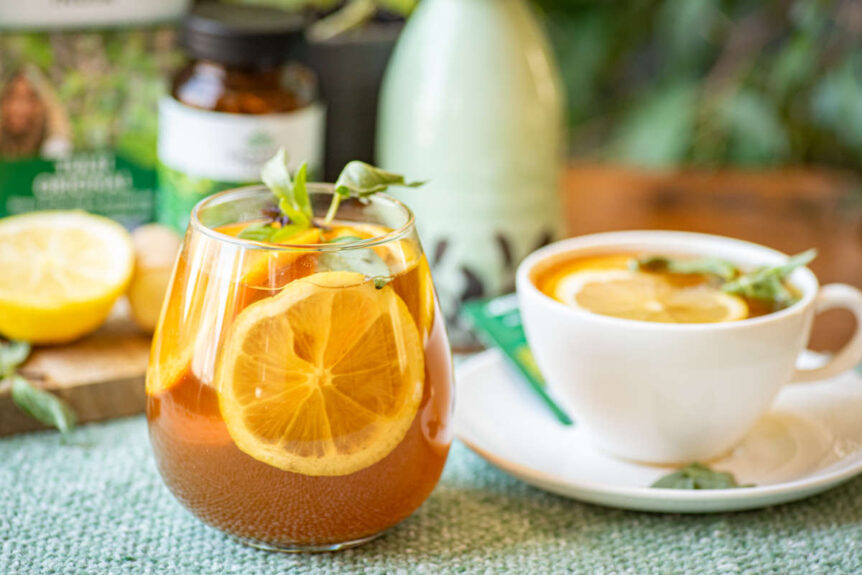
241 96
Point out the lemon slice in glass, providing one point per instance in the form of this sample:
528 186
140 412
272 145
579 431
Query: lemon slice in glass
323 379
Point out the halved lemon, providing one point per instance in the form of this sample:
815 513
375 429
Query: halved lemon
647 297
323 379
62 271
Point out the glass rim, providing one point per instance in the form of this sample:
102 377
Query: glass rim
313 188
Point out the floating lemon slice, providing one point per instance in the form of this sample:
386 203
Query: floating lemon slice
323 379
61 274
646 297
187 337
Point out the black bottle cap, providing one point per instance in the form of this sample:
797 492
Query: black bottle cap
243 35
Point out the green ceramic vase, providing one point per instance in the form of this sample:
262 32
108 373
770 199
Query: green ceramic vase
472 102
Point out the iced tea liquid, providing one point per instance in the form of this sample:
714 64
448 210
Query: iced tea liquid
248 498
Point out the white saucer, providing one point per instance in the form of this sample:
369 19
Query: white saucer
810 441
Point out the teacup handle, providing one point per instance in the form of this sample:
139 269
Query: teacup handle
830 297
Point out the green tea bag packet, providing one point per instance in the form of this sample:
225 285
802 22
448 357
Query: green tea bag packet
497 323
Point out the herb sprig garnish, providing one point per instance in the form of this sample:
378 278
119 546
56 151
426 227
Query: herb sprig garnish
361 180
38 403
768 282
294 211
722 269
357 180
764 283
365 261
698 476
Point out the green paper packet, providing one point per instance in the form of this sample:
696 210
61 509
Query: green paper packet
497 323
79 87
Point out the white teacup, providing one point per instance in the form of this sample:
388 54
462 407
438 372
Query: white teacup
675 393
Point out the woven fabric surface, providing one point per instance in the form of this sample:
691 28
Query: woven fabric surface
96 505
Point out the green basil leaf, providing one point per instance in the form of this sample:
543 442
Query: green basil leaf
765 284
697 476
365 261
768 283
285 233
292 194
360 180
12 354
345 239
722 269
43 406
300 191
675 480
276 175
794 262
259 232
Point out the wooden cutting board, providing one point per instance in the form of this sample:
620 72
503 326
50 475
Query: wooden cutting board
100 376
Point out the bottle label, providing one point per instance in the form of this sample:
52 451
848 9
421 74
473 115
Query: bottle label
203 152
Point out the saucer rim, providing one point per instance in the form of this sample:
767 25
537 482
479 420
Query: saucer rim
810 484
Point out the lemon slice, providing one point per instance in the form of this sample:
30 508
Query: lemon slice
196 309
647 297
61 274
323 379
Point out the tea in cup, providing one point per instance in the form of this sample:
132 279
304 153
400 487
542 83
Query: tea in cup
667 347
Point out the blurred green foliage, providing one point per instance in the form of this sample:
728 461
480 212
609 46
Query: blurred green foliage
711 82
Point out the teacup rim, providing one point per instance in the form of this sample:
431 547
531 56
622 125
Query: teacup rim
810 284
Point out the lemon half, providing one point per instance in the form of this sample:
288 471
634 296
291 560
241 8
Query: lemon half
62 272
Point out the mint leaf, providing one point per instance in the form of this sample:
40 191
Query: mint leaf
35 402
43 406
292 194
284 233
357 180
697 476
767 283
300 191
360 180
269 233
364 261
345 240
12 354
258 232
722 269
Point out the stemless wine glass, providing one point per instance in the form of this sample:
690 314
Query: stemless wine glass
300 396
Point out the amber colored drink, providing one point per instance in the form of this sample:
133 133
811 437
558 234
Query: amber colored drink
241 492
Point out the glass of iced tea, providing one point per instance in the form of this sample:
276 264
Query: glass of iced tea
293 402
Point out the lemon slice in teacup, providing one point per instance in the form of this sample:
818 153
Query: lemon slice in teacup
646 297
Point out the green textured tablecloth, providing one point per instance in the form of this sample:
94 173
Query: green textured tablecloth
97 506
